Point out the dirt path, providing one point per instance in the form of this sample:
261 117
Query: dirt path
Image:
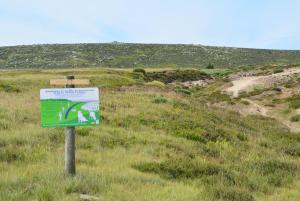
248 83
256 107
241 85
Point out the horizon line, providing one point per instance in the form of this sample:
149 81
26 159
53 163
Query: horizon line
138 43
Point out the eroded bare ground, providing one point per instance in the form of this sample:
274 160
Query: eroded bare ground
266 90
249 82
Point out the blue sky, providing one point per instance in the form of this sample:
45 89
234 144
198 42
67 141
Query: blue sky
272 24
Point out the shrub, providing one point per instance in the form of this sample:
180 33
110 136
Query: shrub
11 154
191 136
9 87
229 194
270 105
88 183
290 84
277 89
277 101
177 75
156 83
211 151
294 101
218 96
242 137
210 66
4 124
293 150
286 111
181 168
159 99
278 70
139 70
218 134
83 131
70 186
276 173
45 195
295 118
185 91
275 166
55 137
257 91
245 102
243 94
121 141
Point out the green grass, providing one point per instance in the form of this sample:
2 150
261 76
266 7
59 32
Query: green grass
153 144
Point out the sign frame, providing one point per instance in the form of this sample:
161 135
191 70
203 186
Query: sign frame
65 107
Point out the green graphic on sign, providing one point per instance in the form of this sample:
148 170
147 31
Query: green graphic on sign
69 107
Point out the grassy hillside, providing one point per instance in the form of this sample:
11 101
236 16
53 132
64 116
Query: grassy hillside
156 142
139 55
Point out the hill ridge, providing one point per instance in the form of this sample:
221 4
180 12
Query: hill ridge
123 55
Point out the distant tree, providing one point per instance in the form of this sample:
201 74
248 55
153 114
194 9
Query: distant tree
210 66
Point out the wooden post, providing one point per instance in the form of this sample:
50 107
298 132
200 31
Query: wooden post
69 82
70 141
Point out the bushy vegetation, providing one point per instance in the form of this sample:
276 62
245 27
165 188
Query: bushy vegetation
140 70
124 55
184 91
8 87
294 101
245 102
156 83
159 99
212 93
153 144
295 118
210 66
169 76
218 72
278 70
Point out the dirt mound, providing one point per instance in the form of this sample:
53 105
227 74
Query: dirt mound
259 104
250 82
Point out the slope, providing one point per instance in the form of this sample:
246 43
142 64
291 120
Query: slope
156 142
139 55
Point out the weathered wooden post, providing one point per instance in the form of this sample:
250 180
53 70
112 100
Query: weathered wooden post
70 141
68 107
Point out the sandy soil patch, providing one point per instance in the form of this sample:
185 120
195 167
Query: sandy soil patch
248 83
